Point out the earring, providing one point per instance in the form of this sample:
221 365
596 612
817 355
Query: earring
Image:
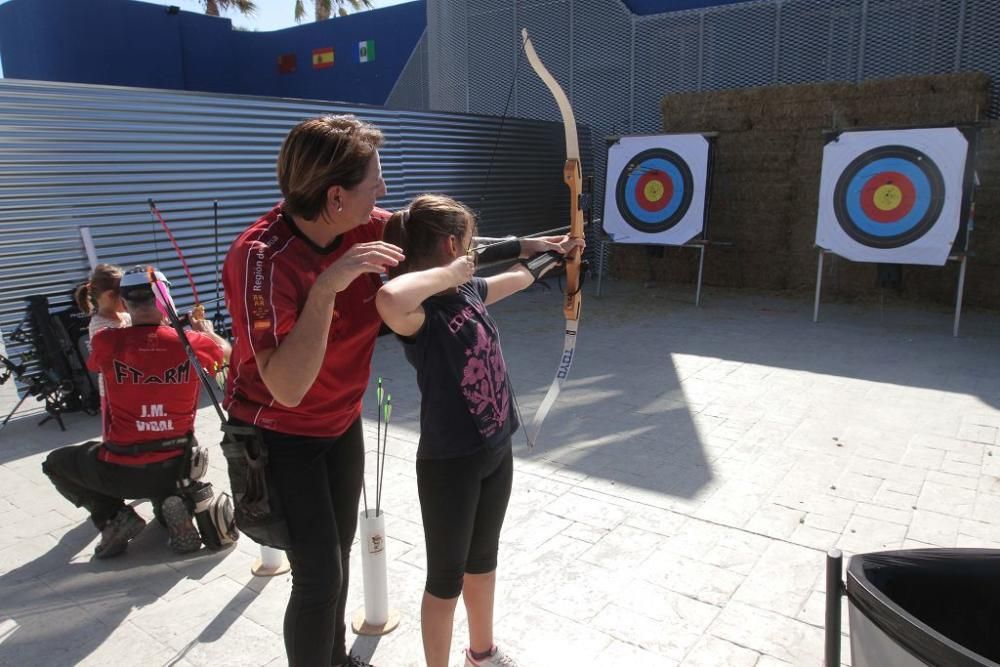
339 207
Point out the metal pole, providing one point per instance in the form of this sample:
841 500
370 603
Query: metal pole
958 296
88 246
701 49
958 37
11 414
701 266
861 41
819 284
631 76
600 264
834 589
777 45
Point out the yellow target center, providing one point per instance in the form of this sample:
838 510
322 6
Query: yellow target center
653 191
888 197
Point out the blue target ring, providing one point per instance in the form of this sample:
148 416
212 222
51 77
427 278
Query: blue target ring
918 187
654 190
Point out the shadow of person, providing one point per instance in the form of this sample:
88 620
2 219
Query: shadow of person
224 620
364 646
28 442
64 604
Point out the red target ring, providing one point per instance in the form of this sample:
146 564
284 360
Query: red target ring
888 197
654 191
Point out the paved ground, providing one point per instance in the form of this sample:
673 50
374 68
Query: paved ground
695 470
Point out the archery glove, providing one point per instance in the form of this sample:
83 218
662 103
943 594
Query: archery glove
539 264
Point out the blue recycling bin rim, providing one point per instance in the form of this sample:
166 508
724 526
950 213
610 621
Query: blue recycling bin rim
918 638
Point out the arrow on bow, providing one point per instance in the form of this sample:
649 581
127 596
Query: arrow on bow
573 177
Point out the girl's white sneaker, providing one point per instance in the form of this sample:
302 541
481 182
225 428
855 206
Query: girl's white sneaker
497 659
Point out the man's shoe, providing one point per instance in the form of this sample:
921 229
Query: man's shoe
116 533
496 659
355 661
184 537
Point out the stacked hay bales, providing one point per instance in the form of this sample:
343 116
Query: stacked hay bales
766 184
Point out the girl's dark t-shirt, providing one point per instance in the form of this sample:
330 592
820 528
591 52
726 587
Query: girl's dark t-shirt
466 402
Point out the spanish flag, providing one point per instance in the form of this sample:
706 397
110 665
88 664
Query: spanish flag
323 58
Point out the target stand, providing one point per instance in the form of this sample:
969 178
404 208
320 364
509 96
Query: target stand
962 259
898 197
656 193
699 244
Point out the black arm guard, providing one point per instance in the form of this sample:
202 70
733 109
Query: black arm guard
502 250
542 262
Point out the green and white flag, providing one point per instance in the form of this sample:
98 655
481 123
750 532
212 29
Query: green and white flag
366 51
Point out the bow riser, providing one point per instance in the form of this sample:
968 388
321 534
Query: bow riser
573 177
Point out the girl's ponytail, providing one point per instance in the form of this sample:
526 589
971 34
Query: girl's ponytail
82 296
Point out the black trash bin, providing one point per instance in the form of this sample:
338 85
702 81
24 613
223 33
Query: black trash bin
925 607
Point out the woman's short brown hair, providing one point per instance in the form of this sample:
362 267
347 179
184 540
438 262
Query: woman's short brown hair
322 152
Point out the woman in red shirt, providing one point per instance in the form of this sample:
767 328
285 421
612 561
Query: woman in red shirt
300 285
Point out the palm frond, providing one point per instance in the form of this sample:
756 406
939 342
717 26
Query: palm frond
245 7
323 9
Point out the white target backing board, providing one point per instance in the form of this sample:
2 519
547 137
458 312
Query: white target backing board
656 188
892 196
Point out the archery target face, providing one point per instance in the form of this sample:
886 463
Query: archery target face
892 196
655 189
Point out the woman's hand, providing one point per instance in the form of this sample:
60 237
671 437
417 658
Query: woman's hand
372 257
561 244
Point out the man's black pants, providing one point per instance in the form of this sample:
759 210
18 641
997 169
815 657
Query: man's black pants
102 487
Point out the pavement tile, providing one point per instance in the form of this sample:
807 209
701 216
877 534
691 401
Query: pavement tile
712 652
769 633
782 579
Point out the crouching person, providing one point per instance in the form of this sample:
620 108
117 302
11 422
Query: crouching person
151 397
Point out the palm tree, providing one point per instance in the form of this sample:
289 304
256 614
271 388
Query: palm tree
324 8
245 7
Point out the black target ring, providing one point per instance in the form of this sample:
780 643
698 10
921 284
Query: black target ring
919 188
654 190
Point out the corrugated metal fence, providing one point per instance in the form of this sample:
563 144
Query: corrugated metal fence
75 156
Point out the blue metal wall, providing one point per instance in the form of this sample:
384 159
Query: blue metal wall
121 42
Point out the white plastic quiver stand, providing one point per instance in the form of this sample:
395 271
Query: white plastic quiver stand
375 618
272 562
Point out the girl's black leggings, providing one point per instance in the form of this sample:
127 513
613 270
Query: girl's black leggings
463 502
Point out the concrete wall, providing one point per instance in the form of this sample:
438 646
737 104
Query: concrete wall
765 192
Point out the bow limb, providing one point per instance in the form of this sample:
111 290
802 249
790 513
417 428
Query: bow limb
199 310
573 177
